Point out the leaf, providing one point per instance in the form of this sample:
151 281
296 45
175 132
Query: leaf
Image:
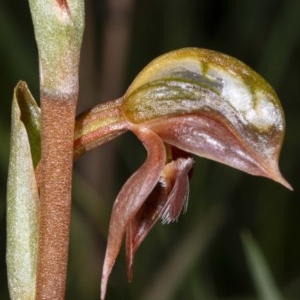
212 105
31 118
264 283
22 197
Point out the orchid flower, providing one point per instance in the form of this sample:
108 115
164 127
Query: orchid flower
189 101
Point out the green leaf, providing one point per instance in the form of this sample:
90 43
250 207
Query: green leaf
30 116
22 197
262 277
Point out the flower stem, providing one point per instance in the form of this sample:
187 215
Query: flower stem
58 26
101 124
55 196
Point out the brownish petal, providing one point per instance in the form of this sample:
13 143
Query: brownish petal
132 196
213 138
166 202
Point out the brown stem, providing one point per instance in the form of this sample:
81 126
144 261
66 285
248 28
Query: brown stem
57 121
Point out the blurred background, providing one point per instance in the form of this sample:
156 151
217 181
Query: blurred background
240 236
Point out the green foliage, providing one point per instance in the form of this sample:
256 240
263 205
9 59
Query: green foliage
22 197
264 283
30 117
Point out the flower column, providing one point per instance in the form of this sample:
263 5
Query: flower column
58 31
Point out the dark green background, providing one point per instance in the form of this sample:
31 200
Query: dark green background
118 43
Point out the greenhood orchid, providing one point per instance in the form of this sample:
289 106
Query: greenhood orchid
189 101
184 103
